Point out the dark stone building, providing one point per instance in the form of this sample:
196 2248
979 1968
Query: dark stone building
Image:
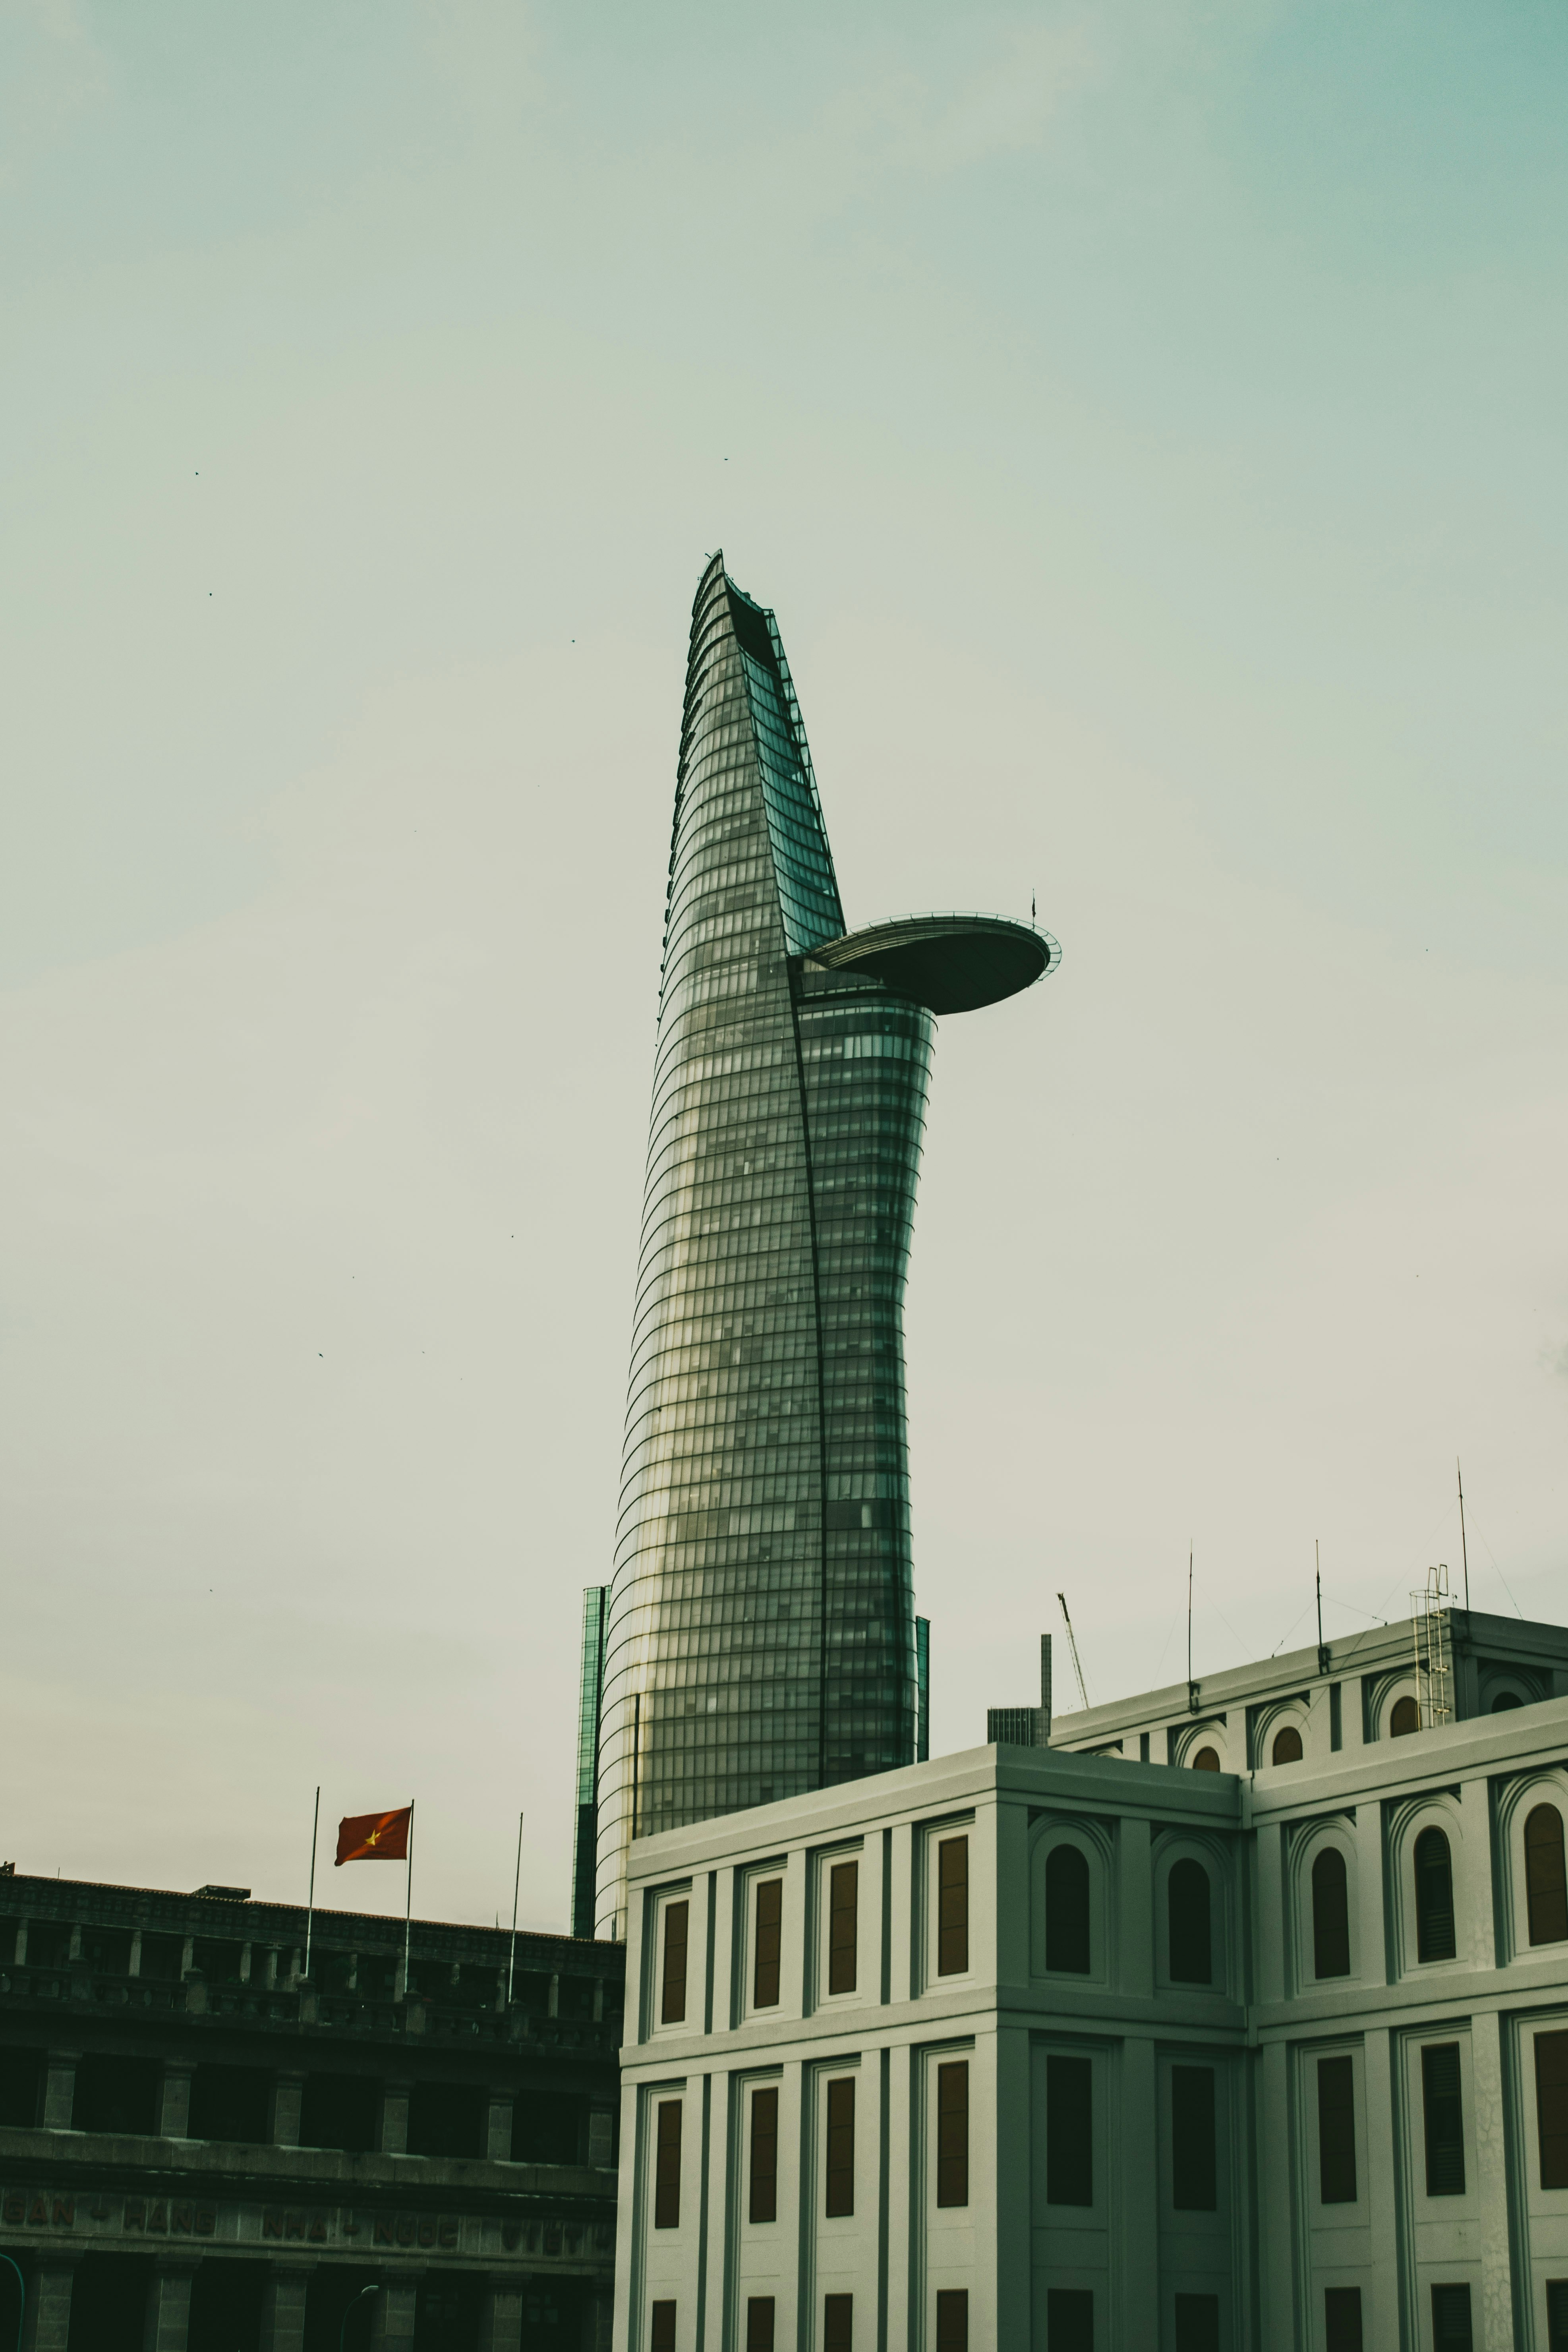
203 2149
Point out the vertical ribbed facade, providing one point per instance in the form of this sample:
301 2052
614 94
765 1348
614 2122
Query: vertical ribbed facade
759 1635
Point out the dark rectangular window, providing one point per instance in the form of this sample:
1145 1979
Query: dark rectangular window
1069 2131
1197 2322
759 2323
843 1925
952 1908
116 2095
1551 2107
676 1920
1336 2131
447 2119
1451 2329
1444 2121
666 2168
1070 2320
21 2082
952 2319
766 1959
340 2111
952 2134
841 2147
1557 2315
1194 2174
839 2323
661 2335
765 2179
230 2102
1342 2319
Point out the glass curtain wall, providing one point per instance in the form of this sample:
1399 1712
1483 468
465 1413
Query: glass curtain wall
759 1635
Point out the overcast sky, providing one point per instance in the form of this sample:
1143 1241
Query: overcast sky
1147 422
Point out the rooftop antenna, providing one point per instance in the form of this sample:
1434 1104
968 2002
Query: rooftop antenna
1323 1658
1192 1686
1464 1548
1072 1645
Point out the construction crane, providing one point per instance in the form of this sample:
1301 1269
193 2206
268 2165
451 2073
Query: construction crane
1072 1645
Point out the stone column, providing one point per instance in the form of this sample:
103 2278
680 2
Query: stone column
497 2127
392 2330
553 2007
169 2308
283 2309
500 2316
1489 2067
394 2119
598 2322
60 2092
174 2102
283 2109
601 2136
49 2319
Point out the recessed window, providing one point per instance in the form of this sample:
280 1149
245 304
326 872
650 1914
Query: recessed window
764 2168
1189 1932
843 1925
952 2319
1545 1881
1070 2130
1069 2318
667 2168
1434 1897
662 2332
840 2184
672 2008
1443 2117
953 1906
1405 1719
1557 2315
1067 1911
759 2323
837 2322
768 1941
1505 1701
1551 2108
1194 2170
1330 1915
1451 2326
1287 1748
1342 2319
1336 2131
952 2133
1206 1761
1197 2322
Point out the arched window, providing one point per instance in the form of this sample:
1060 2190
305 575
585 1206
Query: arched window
1330 1915
1287 1745
1405 1719
1545 1880
1206 1761
1434 1897
1504 1700
1066 1910
1191 1943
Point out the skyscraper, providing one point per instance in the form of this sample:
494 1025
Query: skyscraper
758 1638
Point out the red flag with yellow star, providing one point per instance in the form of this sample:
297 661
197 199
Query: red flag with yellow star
375 1837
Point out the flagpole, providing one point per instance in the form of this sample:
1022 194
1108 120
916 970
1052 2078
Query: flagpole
408 1910
517 1882
311 1900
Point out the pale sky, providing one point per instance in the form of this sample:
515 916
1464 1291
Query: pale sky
1147 422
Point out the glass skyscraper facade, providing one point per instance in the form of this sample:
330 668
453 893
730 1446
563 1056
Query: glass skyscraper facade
758 1637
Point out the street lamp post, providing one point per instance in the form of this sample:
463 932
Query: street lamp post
373 2288
21 2298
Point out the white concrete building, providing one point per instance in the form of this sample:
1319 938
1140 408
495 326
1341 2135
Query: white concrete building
1061 2048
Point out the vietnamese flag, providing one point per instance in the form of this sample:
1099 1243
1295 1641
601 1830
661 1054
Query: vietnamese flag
375 1837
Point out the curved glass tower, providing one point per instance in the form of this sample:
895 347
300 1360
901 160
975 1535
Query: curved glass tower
759 1636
